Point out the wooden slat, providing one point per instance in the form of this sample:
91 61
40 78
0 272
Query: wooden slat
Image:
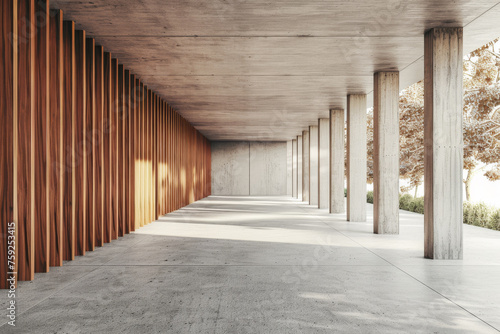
148 155
79 145
137 154
98 151
56 148
132 148
126 152
23 144
91 143
120 181
41 142
8 105
68 115
106 208
113 152
142 160
154 158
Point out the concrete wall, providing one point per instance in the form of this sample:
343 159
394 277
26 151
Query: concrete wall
249 168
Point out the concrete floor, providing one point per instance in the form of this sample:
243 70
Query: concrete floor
267 265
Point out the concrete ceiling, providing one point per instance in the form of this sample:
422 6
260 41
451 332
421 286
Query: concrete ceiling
265 70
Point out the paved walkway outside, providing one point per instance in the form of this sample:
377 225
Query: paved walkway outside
267 265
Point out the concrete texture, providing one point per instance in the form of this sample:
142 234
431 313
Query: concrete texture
268 168
249 168
305 166
230 168
356 158
266 265
337 164
386 153
324 163
443 143
299 167
289 168
295 173
313 165
261 70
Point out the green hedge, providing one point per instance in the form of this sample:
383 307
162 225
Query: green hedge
369 197
477 214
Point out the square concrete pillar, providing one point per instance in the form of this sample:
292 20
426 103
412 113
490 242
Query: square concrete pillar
294 168
443 143
336 174
356 158
305 166
289 167
313 165
386 153
324 163
299 167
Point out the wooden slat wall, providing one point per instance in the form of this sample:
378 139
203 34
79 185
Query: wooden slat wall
88 153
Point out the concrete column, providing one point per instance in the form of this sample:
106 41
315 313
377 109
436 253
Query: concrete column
294 168
336 161
386 153
305 166
289 168
323 162
299 167
443 143
356 158
313 165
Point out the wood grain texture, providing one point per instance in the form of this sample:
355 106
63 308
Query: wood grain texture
120 162
126 151
41 164
68 141
113 151
56 148
24 138
90 143
8 105
106 146
79 145
142 159
98 149
132 150
92 153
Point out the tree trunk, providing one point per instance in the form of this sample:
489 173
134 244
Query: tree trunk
468 180
416 191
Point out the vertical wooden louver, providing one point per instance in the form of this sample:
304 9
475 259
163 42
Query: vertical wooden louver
88 153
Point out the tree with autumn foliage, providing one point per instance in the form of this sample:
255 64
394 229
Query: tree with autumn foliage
481 122
481 114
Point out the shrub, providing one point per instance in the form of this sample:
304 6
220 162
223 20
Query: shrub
404 202
418 205
481 214
467 213
494 222
369 197
345 192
